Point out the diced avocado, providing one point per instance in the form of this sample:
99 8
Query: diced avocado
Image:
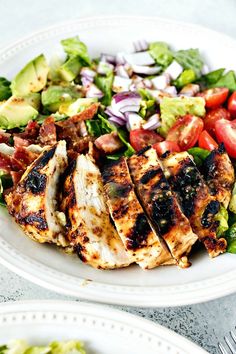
16 112
70 69
78 106
33 99
55 95
32 78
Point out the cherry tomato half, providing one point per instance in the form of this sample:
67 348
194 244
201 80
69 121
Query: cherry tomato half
213 116
186 131
226 133
164 146
214 97
140 138
205 141
232 105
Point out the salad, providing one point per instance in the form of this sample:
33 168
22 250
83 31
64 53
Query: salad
20 346
122 104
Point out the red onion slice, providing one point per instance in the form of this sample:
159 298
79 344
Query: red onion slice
152 123
120 58
130 108
104 68
134 121
121 71
121 84
146 70
140 45
108 58
86 81
87 72
174 70
171 90
94 92
114 113
116 120
140 58
127 98
160 82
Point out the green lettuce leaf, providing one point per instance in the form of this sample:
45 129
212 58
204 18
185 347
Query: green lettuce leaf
161 53
199 155
185 78
38 350
18 346
75 48
69 347
232 203
190 59
172 108
230 236
228 80
222 217
5 89
104 83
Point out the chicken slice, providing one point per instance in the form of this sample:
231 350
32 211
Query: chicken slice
33 203
195 199
140 240
218 172
88 223
161 204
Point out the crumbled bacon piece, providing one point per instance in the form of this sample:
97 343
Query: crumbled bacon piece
30 133
5 162
19 142
109 143
68 131
23 157
87 113
4 137
47 132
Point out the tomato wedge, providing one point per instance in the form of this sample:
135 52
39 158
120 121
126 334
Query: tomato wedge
205 141
164 146
213 116
226 133
140 138
186 131
232 105
214 97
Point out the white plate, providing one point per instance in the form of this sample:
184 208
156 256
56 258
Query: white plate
165 286
102 329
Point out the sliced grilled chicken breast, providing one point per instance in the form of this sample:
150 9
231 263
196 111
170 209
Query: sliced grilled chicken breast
161 204
195 199
218 172
34 201
88 223
140 240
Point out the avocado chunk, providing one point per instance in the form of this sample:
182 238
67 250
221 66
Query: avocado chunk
32 78
34 100
70 69
55 95
16 112
77 106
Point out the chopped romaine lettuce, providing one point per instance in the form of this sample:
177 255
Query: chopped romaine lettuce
190 59
147 108
228 80
161 53
38 350
230 236
172 108
199 155
124 138
213 76
185 78
18 346
232 204
5 89
69 347
222 217
104 83
75 48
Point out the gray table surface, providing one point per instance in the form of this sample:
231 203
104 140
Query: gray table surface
206 323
